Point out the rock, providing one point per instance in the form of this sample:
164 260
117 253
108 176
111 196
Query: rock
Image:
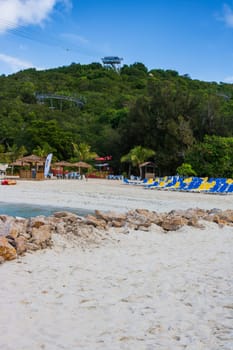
227 215
17 227
144 212
21 245
7 252
152 216
92 220
4 218
11 240
65 217
64 214
137 221
173 223
199 212
12 226
214 211
19 235
38 221
5 224
26 235
215 218
193 221
32 246
110 216
220 216
116 223
61 214
41 235
60 228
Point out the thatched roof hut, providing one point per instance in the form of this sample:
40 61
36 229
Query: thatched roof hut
32 159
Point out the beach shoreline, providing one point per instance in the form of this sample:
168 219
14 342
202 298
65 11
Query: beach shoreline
107 195
141 290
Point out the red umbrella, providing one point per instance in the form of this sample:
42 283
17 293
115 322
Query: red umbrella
104 158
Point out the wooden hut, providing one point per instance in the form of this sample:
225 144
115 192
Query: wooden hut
36 167
148 170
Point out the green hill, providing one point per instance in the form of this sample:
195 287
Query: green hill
157 109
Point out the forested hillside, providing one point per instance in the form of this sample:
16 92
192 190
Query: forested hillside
181 119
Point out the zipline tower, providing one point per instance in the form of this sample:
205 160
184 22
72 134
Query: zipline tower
113 62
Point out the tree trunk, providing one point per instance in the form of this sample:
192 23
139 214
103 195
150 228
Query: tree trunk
140 172
129 173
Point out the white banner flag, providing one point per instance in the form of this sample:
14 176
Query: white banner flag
47 164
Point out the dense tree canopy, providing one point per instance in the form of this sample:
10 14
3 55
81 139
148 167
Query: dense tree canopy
137 156
179 118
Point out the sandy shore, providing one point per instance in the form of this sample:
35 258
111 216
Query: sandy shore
107 195
144 290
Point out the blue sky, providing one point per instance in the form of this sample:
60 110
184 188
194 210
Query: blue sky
191 37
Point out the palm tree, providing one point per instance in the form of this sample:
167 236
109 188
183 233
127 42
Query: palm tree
82 152
14 152
137 156
43 150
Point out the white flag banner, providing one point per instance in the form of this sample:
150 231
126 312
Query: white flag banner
47 164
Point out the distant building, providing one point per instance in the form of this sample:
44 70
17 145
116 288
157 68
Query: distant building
112 62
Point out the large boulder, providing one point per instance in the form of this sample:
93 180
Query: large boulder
42 236
11 226
173 223
92 220
7 251
38 221
18 227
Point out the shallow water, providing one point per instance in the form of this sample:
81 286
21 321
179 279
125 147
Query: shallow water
27 210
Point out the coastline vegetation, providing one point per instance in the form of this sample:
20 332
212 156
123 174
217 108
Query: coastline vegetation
180 119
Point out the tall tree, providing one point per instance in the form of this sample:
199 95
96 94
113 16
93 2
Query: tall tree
82 152
137 156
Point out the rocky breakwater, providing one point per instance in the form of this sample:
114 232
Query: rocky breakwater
19 235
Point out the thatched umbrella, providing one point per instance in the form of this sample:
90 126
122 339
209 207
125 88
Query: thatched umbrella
81 165
62 164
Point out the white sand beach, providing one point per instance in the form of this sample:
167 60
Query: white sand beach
107 195
142 290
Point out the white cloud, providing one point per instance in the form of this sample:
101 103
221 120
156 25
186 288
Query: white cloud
14 63
228 80
14 13
228 15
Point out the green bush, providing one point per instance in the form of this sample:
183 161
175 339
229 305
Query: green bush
186 170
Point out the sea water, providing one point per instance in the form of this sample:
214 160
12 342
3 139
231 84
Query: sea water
28 210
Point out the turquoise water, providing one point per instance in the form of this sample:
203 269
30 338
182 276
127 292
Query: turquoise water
27 210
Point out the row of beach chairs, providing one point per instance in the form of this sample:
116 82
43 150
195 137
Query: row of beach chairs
190 184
